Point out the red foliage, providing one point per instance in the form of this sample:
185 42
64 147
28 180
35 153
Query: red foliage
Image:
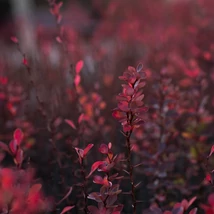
169 152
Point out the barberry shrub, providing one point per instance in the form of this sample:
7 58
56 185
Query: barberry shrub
56 107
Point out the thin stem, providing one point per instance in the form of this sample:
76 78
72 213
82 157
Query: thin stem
130 166
84 187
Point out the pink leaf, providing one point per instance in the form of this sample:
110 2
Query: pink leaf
109 145
66 209
14 39
77 80
87 149
18 136
211 151
79 66
94 167
58 39
191 201
81 118
193 211
70 123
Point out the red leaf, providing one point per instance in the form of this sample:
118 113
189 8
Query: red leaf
103 149
98 179
24 61
87 149
70 123
79 66
66 209
208 178
18 136
94 167
127 128
105 166
123 106
118 114
127 90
